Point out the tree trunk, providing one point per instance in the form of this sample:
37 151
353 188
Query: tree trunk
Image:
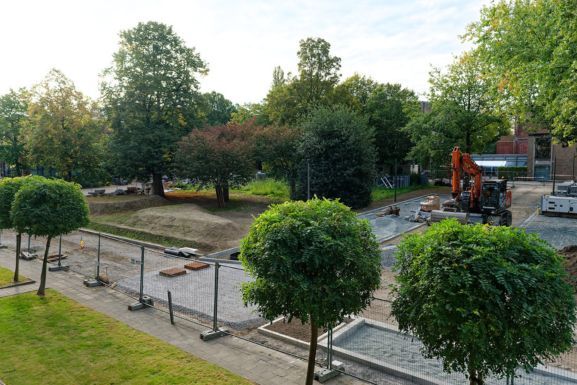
42 288
312 354
293 188
219 196
474 378
225 193
18 248
157 187
468 144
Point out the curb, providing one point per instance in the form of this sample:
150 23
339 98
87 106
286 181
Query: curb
16 284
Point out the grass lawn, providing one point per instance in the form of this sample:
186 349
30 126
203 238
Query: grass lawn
381 193
54 340
6 277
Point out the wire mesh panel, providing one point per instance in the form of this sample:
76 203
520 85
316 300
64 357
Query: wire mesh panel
191 285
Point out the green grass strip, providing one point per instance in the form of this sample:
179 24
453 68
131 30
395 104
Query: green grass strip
56 341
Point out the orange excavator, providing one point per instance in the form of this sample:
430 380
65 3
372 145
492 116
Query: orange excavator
475 201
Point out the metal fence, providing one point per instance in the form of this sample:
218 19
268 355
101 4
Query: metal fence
208 293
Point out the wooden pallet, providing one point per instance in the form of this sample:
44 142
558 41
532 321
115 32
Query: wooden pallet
172 272
196 265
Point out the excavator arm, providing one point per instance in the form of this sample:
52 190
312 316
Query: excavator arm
464 162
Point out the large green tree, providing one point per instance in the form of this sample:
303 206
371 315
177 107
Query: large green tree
62 131
151 98
485 300
528 50
462 113
277 147
338 154
314 261
292 98
48 208
13 115
216 109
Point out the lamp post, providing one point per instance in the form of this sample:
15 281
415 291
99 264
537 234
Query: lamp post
573 173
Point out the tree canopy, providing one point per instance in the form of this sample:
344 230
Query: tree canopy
528 50
278 148
13 115
462 113
218 156
62 131
292 98
9 187
46 207
338 153
487 300
151 98
315 261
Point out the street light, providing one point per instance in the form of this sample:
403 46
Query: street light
573 173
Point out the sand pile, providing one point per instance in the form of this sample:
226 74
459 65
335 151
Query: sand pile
188 221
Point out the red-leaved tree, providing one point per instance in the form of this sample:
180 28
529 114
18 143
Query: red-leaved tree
217 156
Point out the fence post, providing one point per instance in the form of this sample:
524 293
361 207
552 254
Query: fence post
98 259
215 332
170 308
143 301
96 280
334 368
59 266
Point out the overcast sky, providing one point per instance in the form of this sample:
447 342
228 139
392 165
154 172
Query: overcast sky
388 40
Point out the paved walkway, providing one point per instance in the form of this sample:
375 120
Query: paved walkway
256 363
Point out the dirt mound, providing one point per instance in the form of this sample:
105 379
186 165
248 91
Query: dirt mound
570 254
109 205
188 221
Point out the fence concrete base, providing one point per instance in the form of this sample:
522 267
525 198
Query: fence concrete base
212 334
146 302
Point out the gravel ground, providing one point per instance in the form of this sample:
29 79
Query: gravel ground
559 232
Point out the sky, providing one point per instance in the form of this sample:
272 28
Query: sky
242 41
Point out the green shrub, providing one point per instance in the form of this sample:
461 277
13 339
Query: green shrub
485 300
267 187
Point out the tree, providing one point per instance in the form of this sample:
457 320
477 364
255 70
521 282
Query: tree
216 109
291 99
528 49
250 111
315 261
218 156
8 189
278 148
338 154
62 131
486 300
462 113
389 108
151 96
354 92
13 115
49 208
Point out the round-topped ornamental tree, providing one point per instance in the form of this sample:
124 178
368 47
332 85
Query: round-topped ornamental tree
49 209
486 300
315 261
8 189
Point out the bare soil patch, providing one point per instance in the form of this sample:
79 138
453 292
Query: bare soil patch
570 254
114 204
296 329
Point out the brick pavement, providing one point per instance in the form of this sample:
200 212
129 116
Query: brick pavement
256 363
